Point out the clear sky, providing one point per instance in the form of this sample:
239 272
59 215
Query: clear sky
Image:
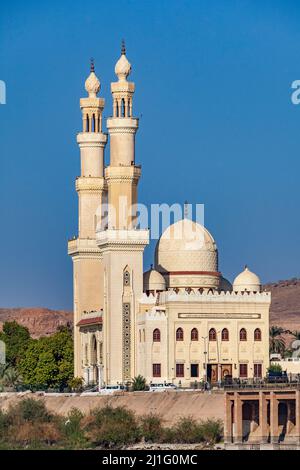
213 86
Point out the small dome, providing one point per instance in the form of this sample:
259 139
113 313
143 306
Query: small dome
92 85
225 285
247 281
153 280
123 67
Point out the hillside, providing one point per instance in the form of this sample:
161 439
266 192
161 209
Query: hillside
285 311
285 306
39 321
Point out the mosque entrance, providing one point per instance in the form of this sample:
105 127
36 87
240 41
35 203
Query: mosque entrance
212 373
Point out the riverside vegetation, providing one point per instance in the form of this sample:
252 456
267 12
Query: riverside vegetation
29 425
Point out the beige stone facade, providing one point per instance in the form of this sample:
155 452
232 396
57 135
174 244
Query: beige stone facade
179 322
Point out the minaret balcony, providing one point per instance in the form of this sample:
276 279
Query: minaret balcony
118 238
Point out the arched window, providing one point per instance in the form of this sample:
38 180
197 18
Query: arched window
194 334
156 335
225 334
257 334
212 335
123 107
179 334
243 334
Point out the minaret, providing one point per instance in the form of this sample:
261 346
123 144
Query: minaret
121 244
91 189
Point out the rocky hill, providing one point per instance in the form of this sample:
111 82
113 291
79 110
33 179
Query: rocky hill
285 306
39 321
285 311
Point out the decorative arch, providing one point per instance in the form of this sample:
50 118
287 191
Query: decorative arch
156 335
194 334
243 334
179 334
212 335
257 334
225 334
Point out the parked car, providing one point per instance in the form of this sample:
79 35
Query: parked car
162 387
108 389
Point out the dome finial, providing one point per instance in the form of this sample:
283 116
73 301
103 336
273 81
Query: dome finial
123 48
92 68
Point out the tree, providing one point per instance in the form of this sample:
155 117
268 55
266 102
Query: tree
138 383
16 338
276 341
48 361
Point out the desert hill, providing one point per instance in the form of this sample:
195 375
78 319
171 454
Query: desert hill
285 311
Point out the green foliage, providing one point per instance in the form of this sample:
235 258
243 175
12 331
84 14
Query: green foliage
212 430
16 339
76 384
48 361
113 427
29 409
73 431
138 383
275 368
276 341
151 428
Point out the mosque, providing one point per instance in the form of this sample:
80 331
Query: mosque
179 322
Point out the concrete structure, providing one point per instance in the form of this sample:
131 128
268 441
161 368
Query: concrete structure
262 417
181 321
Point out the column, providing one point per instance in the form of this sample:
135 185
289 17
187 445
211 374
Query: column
228 419
274 432
263 417
238 418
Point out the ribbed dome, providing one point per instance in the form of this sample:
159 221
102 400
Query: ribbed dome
92 85
122 68
186 246
247 281
153 281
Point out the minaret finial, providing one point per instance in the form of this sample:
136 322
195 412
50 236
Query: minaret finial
92 65
123 48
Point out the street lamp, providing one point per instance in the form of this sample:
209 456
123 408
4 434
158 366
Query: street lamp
205 357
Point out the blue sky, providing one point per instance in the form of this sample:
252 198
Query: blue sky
213 86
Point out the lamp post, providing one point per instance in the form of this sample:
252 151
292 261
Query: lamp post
205 357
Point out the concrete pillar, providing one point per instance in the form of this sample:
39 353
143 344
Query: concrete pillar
274 431
289 424
238 418
263 417
228 419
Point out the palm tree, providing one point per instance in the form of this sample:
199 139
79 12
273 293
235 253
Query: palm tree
277 342
9 377
138 383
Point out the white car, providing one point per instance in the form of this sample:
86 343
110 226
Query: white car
162 387
111 389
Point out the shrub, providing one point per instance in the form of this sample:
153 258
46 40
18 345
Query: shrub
113 427
35 434
151 428
76 384
73 429
275 368
212 430
187 431
138 383
28 410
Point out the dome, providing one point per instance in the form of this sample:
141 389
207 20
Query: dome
153 280
122 68
247 281
187 255
92 85
186 246
225 285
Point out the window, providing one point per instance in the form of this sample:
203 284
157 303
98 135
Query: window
156 335
179 334
244 371
156 369
257 334
258 371
212 335
194 334
225 334
243 335
126 278
179 370
194 370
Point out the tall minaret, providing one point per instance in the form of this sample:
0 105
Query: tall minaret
121 244
91 189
